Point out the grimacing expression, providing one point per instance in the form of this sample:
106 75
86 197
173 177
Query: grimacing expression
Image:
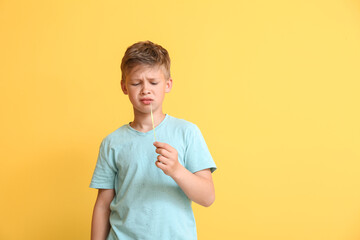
145 85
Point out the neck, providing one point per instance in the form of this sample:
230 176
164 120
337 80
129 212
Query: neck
143 122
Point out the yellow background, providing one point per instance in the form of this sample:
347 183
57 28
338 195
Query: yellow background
273 86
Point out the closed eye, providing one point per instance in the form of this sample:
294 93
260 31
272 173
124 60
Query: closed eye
154 83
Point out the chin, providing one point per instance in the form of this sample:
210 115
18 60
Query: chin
142 111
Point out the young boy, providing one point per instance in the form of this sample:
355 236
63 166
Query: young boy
146 187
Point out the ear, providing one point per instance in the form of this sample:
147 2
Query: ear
168 85
123 87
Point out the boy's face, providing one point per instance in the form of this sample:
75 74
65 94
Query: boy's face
145 85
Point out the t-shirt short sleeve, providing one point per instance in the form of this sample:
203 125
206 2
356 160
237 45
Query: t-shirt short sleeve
105 170
197 155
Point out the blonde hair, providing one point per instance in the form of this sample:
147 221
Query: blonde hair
145 53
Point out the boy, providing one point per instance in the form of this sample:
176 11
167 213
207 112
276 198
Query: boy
146 187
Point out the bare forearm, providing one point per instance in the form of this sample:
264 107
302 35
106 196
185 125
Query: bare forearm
197 188
100 225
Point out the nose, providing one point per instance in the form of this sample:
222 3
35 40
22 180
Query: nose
145 89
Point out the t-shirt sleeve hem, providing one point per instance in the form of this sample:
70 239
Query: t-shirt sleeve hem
101 186
212 169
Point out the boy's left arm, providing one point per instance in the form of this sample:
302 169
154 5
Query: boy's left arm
197 186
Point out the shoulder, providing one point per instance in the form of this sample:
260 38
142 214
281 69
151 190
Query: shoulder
180 122
115 135
183 125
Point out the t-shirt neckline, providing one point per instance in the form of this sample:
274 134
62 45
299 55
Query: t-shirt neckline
150 131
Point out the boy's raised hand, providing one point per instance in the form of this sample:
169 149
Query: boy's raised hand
197 186
168 158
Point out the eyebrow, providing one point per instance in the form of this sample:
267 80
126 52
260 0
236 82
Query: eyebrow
138 79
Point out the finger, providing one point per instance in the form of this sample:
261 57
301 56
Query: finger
163 145
160 165
162 159
164 152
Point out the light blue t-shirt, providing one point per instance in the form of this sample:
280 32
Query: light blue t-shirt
148 204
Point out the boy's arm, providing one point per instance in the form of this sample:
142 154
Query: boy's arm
100 224
197 186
